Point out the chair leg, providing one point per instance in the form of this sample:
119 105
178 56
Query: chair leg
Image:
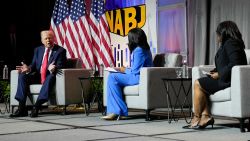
104 113
242 122
148 115
64 110
12 109
248 126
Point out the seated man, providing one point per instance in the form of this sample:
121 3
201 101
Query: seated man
47 59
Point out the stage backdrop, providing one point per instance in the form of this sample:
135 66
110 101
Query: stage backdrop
96 32
122 17
163 21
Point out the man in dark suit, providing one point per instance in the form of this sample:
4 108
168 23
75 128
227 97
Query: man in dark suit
47 59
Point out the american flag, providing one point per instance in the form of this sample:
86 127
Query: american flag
78 36
84 36
59 21
100 34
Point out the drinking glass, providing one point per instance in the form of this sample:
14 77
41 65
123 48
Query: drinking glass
178 72
92 72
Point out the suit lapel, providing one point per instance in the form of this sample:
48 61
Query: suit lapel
41 53
53 54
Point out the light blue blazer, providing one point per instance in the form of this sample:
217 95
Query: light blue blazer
116 81
139 58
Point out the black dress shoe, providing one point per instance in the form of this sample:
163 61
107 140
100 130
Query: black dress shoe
34 112
19 113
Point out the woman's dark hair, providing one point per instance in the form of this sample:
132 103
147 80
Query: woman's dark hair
229 30
137 37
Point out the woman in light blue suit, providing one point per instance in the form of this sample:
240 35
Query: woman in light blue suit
140 57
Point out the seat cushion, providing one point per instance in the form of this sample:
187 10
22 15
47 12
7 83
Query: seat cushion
222 95
131 90
35 88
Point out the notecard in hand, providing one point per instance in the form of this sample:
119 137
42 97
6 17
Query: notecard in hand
206 73
111 69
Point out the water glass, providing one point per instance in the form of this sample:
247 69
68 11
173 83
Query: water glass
101 70
178 73
91 73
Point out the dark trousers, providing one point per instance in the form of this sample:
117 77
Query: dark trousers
24 80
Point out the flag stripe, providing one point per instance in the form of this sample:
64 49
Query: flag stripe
84 36
105 39
85 47
59 21
82 52
100 33
70 53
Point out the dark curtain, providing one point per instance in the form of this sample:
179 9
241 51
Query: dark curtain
21 31
203 17
197 26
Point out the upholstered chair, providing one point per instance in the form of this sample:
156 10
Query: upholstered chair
67 88
150 93
234 101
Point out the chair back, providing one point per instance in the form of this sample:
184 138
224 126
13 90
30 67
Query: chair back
73 63
247 51
167 60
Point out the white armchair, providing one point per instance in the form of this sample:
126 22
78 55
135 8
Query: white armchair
232 101
150 93
67 87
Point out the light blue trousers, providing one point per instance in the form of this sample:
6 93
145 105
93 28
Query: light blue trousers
115 101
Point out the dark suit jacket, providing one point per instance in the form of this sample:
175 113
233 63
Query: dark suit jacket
230 54
58 55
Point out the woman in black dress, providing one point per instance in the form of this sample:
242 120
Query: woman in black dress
230 53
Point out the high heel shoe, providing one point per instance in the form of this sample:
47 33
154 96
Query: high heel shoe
114 117
210 121
110 117
194 123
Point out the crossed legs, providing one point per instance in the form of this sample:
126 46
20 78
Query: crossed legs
201 107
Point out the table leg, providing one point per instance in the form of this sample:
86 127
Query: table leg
172 107
185 101
169 102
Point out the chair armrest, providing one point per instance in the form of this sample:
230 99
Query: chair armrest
68 87
13 87
240 91
197 71
151 86
105 78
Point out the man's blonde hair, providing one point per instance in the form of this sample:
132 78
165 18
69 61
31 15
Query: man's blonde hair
50 32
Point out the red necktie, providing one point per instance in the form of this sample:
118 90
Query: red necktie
44 66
